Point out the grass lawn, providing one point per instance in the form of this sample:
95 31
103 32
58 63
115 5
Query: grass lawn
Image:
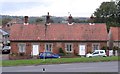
55 61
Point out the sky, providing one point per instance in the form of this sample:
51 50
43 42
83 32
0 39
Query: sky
77 8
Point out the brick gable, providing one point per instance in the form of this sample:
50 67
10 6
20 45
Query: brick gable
115 31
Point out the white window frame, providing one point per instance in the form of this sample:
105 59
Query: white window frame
48 47
68 45
94 44
19 46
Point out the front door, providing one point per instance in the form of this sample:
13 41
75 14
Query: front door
35 50
82 50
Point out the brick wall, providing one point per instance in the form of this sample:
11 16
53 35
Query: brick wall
56 46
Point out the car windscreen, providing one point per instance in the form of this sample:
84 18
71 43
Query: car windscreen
6 47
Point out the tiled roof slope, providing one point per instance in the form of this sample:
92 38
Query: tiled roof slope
78 32
115 33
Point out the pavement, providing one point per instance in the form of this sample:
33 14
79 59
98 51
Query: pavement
71 67
4 57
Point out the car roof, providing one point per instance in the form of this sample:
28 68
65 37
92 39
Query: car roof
99 50
46 52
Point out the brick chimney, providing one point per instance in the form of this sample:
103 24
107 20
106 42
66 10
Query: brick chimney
26 20
70 20
91 20
48 19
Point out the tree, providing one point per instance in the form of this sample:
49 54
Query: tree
39 20
118 12
76 20
5 20
106 12
109 13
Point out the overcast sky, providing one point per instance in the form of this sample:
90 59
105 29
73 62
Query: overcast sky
80 8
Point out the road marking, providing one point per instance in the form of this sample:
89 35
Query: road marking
82 68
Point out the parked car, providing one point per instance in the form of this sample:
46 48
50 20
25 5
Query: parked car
97 53
6 49
48 55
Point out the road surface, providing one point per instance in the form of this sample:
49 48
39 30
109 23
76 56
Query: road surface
71 67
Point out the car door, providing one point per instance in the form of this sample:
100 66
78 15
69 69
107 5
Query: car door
102 53
48 55
42 55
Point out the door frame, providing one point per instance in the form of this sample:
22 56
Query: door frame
85 48
32 48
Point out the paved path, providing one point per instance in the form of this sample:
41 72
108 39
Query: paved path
74 67
4 57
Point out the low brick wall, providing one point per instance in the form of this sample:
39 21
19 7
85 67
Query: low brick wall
13 57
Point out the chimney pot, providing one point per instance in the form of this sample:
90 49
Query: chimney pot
91 23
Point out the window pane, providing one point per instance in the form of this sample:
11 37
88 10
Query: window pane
101 52
21 47
96 53
43 54
95 47
68 47
48 54
48 47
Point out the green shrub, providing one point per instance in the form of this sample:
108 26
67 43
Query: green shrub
61 52
115 48
104 48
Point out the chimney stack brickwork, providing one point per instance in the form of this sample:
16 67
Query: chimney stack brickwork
70 19
48 19
26 20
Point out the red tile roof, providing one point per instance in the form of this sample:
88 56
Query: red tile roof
115 33
78 32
